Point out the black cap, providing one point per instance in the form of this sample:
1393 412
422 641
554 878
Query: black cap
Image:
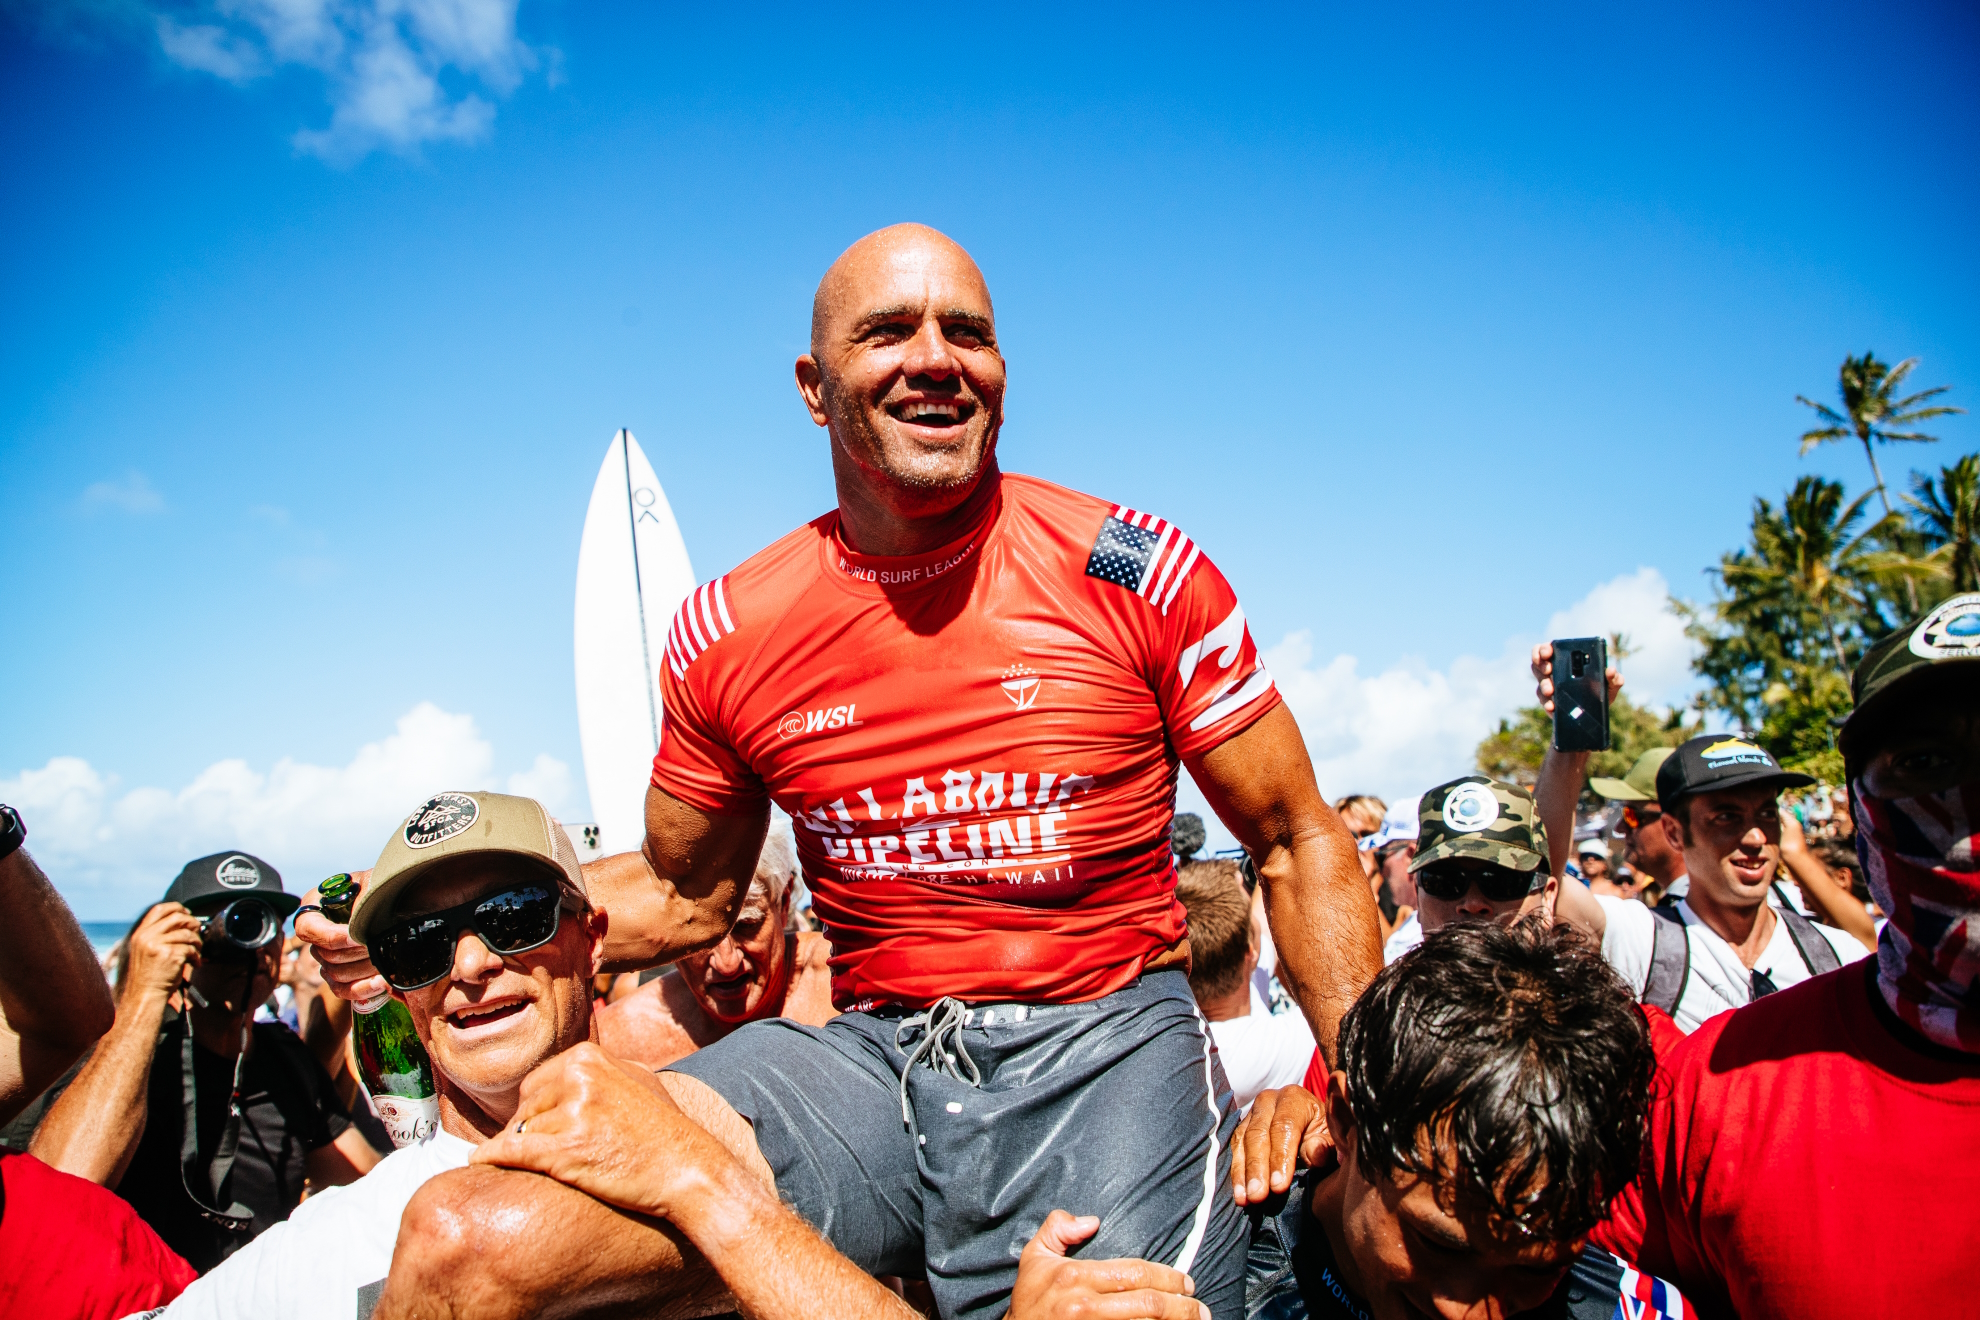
1716 761
231 875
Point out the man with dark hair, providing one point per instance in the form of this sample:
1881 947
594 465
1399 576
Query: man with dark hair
1259 1049
1814 1153
1488 1105
208 1123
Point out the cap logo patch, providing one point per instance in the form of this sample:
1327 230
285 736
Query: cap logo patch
1952 631
1733 751
1469 808
237 872
443 816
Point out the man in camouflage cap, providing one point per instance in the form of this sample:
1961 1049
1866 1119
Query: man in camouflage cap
1481 855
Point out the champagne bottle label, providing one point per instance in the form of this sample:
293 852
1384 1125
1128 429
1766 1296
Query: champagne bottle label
407 1119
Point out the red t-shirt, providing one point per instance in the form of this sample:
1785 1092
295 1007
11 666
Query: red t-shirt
72 1249
1809 1156
979 745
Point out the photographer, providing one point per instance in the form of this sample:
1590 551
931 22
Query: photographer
184 1054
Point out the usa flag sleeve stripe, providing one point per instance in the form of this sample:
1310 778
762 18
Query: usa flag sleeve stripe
1159 582
1188 563
1147 582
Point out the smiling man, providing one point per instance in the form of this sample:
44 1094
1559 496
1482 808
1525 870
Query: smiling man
478 918
1814 1154
974 692
759 970
1723 944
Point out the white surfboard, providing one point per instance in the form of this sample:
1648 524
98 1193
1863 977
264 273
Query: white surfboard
633 573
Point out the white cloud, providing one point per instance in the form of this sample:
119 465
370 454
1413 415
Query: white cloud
384 62
1412 726
111 850
130 493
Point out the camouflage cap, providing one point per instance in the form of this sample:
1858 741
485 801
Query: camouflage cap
1483 819
1948 634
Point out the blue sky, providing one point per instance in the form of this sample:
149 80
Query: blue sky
1438 329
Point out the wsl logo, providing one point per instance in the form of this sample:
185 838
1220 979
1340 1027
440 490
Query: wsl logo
815 721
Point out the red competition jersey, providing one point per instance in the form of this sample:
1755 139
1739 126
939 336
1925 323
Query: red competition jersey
979 745
1809 1156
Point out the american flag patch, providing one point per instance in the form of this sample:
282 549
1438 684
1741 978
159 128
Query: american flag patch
703 619
1141 552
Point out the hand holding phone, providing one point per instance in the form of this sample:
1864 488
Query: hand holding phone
1581 694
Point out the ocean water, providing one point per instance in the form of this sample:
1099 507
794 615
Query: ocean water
103 935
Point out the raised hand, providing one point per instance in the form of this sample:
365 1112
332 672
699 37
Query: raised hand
1285 1128
1052 1287
161 948
1543 678
347 968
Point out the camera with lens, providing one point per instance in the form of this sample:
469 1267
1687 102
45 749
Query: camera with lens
240 930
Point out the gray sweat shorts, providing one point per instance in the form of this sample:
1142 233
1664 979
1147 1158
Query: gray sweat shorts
1116 1108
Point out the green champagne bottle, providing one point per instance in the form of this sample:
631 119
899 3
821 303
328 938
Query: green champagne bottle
392 1064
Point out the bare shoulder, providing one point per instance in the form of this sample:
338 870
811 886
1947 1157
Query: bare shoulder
645 1026
810 997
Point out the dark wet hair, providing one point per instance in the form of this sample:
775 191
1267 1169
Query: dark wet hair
1511 1059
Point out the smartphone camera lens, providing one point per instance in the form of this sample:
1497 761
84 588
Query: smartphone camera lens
1578 663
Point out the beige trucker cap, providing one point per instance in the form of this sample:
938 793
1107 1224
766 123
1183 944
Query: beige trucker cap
455 824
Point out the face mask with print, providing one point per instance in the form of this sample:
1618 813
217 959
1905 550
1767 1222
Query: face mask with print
1918 857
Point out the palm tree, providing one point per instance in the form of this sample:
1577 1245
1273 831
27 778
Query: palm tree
1871 413
1946 513
1808 566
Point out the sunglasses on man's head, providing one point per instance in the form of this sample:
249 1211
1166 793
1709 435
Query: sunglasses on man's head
414 952
1498 884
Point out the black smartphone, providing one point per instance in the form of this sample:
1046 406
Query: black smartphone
1581 694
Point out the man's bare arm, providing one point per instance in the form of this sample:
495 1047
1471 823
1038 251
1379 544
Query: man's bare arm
583 1111
93 1130
1556 794
54 1001
1324 921
680 893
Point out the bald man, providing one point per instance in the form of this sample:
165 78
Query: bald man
973 691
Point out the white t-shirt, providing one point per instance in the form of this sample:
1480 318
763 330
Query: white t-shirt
311 1266
1407 936
1718 979
1263 1051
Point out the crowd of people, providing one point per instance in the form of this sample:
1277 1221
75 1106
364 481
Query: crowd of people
1488 1051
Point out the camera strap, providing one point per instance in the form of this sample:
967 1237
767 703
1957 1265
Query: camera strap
236 1218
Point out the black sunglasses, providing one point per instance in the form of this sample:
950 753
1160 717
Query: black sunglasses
414 952
1497 883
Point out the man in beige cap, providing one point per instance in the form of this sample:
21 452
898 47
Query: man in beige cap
476 915
1653 851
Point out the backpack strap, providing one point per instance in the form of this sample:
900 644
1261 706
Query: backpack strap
1670 963
1816 952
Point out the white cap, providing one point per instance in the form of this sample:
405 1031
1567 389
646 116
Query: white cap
1594 846
1398 826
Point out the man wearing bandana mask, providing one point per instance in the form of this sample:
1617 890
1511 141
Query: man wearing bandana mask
1796 1145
